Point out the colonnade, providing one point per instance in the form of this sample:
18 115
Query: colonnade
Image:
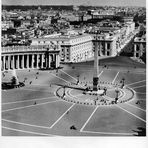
139 49
29 61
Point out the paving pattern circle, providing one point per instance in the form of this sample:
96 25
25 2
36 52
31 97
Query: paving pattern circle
79 96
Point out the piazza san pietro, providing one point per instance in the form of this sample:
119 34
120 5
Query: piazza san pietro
73 70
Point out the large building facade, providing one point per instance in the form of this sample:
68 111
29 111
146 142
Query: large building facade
73 47
139 46
111 40
49 51
76 48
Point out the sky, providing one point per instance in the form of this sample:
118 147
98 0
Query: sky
76 2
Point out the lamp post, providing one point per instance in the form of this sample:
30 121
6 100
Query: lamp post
123 82
105 90
95 101
78 77
117 92
64 92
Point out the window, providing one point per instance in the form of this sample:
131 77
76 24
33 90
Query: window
108 46
138 47
108 53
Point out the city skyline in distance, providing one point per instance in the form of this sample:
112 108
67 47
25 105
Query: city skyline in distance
140 3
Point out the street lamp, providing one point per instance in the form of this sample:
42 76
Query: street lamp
95 101
116 98
64 92
123 82
78 76
105 90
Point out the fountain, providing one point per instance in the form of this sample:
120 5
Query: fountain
14 79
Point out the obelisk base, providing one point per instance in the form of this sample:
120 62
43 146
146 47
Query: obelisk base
95 83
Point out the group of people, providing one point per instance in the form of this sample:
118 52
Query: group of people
36 77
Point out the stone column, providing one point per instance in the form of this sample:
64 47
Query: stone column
49 61
37 61
27 61
141 49
42 56
13 62
22 63
32 61
135 49
105 49
4 61
18 60
57 61
9 62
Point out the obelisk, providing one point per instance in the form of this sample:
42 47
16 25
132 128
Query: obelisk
96 68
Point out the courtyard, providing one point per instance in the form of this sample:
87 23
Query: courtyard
37 110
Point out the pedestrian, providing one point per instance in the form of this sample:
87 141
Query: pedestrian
105 89
30 82
138 102
35 103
